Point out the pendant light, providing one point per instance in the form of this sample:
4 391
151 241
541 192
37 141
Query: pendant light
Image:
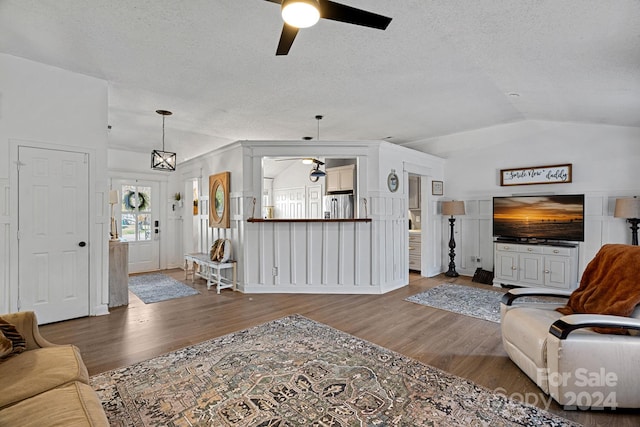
163 160
316 172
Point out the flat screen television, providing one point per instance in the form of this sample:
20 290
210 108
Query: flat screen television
545 218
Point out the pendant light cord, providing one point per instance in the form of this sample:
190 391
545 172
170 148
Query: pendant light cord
163 132
318 118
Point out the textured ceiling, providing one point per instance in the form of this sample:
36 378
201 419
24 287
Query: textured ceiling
441 67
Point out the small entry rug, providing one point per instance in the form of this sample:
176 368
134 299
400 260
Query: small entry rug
297 372
474 302
155 287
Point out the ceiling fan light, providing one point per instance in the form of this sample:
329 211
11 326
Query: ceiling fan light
317 173
300 13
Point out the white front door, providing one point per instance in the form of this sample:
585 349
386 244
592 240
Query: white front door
53 232
137 218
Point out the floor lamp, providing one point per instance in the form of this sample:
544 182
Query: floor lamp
452 208
630 209
114 199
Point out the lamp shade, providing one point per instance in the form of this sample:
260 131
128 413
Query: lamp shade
453 207
627 208
114 197
300 13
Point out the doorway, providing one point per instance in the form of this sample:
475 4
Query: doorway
137 216
53 233
414 214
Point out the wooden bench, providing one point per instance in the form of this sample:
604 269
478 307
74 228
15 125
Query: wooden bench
202 266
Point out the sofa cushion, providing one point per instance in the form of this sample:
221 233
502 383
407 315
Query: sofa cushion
39 370
72 405
10 332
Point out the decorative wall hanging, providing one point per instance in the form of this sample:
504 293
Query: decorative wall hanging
392 181
219 186
554 174
437 188
135 200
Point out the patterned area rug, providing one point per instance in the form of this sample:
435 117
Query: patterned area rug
155 287
297 372
474 302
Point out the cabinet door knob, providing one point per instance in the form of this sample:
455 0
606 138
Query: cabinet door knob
529 249
547 271
555 251
82 244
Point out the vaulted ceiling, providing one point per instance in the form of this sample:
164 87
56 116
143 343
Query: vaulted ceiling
441 67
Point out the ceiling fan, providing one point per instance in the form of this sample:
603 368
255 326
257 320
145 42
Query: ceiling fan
305 13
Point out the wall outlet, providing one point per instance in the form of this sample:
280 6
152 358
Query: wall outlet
274 271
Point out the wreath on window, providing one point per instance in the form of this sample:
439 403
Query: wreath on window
130 201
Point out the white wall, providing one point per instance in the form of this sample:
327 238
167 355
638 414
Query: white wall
332 257
228 158
605 163
52 107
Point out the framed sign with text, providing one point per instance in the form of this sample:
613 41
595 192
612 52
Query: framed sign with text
555 174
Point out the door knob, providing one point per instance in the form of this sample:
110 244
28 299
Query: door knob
82 244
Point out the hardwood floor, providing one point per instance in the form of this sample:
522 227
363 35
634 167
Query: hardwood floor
465 346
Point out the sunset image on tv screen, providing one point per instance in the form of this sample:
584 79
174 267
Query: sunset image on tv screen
540 217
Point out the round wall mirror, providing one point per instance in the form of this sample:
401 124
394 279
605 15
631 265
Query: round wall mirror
219 201
219 187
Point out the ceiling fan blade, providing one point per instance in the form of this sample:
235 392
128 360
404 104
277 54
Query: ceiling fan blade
351 15
286 39
275 1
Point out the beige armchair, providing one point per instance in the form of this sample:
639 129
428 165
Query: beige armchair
563 354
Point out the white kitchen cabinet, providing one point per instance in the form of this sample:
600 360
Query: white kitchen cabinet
530 265
415 257
414 192
340 178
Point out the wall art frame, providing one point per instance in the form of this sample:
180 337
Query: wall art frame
437 188
219 207
552 174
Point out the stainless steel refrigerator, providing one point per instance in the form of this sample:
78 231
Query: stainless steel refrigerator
338 206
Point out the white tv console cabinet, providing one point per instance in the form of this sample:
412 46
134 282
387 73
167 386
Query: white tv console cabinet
544 265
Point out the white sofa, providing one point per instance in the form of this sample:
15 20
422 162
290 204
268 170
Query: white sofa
565 357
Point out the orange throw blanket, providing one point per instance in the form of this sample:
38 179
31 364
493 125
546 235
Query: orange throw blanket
610 284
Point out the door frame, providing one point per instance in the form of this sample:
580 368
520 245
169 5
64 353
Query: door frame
430 251
98 228
162 178
157 208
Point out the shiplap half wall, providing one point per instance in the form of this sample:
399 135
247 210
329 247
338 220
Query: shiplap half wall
309 257
327 257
